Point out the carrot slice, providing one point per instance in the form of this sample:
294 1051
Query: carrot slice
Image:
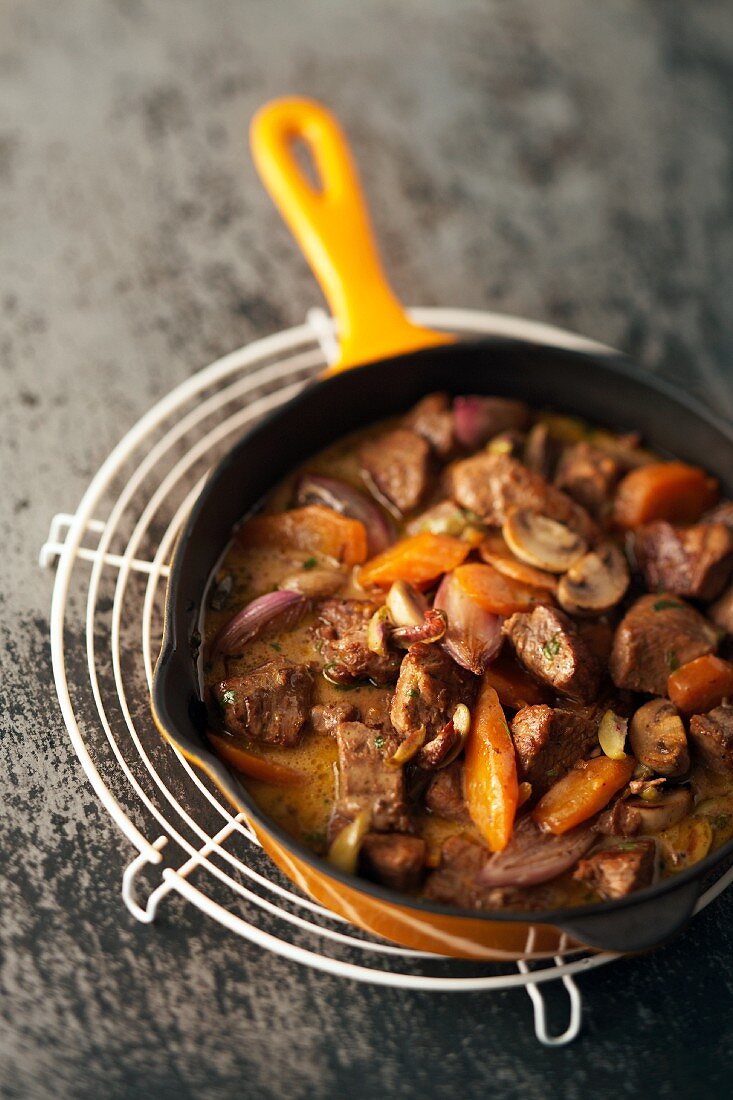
417 560
664 490
581 793
492 791
256 767
494 592
312 528
515 687
495 551
701 684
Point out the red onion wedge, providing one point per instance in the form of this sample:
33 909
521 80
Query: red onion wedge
474 636
344 498
274 611
476 419
532 856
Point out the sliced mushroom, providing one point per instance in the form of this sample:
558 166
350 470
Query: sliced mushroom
541 541
658 738
315 583
406 605
595 583
636 816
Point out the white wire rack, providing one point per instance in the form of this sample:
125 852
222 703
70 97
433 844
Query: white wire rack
105 635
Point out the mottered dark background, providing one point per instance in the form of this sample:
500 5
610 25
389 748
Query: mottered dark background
570 162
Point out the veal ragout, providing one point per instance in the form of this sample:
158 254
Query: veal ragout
479 655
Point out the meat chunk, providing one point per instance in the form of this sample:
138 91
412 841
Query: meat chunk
712 738
657 635
432 418
689 561
616 872
589 476
550 740
444 795
269 704
429 688
367 781
398 465
457 881
325 717
342 628
394 859
550 645
491 485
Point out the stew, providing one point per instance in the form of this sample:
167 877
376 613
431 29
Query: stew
481 655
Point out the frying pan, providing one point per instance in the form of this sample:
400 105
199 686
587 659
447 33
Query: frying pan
399 362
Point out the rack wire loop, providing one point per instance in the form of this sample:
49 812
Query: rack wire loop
124 528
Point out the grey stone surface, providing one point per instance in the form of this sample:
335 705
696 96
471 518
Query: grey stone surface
568 161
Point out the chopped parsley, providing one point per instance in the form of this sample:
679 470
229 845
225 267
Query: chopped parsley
626 846
228 698
276 646
414 693
720 821
552 773
672 660
665 605
310 563
551 649
379 741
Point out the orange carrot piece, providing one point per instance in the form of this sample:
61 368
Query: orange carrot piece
256 767
417 560
495 551
494 592
581 793
701 684
312 528
515 687
664 490
492 791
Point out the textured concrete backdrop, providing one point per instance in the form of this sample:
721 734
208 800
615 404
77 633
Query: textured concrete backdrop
568 161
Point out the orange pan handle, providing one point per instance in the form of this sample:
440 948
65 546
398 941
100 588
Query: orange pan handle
332 227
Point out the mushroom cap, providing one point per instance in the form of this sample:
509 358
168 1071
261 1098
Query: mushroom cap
542 542
595 582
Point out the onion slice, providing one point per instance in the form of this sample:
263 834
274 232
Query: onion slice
280 610
532 856
344 498
473 636
476 419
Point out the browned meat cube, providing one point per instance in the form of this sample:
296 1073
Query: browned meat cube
326 716
550 645
589 476
712 738
395 860
432 419
398 465
367 781
429 688
550 740
616 872
492 485
689 561
444 795
454 881
342 628
269 704
657 635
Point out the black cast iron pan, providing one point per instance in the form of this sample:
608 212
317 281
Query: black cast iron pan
604 388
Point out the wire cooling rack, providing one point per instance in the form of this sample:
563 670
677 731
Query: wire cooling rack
112 559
